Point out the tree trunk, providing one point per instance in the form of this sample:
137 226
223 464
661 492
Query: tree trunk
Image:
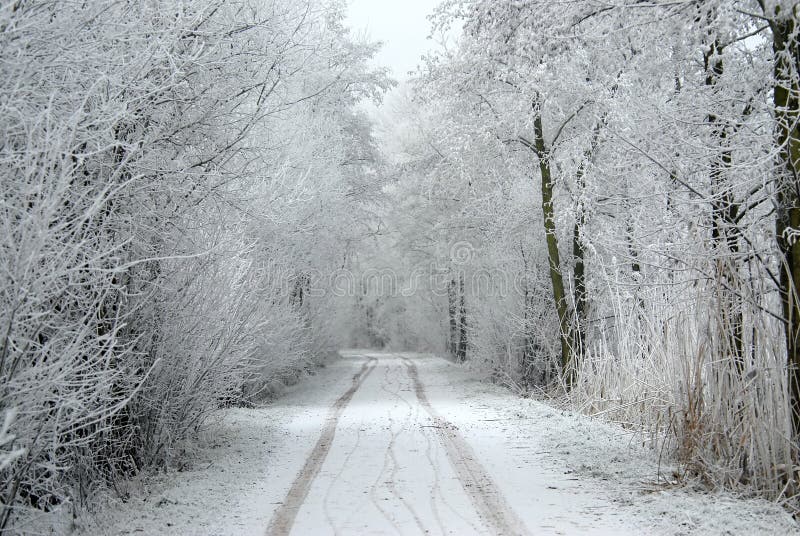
452 303
787 137
724 230
559 296
462 322
527 340
579 272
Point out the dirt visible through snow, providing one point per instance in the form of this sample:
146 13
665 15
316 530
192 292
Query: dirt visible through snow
284 516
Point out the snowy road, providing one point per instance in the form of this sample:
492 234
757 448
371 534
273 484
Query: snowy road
394 465
382 443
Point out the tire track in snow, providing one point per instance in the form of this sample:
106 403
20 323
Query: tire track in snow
283 518
391 484
476 481
336 479
433 460
436 490
376 484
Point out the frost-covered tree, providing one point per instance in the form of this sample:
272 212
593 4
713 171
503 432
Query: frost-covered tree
635 158
171 172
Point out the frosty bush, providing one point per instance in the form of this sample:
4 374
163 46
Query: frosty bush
161 169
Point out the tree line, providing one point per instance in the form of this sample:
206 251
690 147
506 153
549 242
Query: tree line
170 172
634 165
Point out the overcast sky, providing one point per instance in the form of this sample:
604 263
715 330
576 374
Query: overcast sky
401 24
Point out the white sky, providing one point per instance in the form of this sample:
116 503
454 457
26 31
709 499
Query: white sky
402 26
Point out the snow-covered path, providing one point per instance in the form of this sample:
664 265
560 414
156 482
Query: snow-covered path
381 443
394 465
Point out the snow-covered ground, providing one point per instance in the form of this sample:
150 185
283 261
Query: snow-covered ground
380 443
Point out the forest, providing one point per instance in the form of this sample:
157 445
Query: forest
593 203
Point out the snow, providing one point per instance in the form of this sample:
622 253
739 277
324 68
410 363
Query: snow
397 466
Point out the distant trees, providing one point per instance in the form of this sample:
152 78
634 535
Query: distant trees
659 137
168 172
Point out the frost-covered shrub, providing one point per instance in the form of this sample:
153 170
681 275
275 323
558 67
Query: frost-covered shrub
162 168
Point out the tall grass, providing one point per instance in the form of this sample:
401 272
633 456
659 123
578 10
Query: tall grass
661 366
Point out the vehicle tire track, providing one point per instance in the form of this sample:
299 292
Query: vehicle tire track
479 486
376 484
436 490
284 517
336 480
391 484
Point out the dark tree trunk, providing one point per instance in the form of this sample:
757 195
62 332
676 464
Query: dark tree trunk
787 138
452 309
462 322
